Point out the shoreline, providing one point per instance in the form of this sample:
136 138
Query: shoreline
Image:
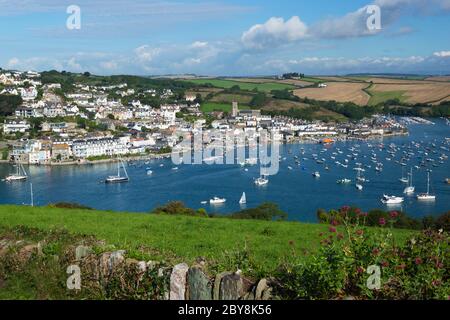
299 140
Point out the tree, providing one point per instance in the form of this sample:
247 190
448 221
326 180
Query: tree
9 104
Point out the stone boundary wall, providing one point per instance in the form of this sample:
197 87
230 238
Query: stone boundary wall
105 270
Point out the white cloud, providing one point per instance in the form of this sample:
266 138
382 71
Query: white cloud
274 32
146 53
442 54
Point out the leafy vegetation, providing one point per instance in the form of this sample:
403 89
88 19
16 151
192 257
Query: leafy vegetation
9 104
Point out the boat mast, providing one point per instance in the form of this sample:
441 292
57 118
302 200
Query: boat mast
428 183
31 194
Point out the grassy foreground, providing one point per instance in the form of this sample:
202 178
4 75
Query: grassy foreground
179 238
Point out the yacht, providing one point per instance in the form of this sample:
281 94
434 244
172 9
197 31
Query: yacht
243 199
316 174
261 181
359 186
217 200
392 199
344 181
20 175
426 196
410 189
118 178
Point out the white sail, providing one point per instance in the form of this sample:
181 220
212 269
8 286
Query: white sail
243 199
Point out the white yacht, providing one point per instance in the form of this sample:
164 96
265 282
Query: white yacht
410 189
20 175
344 181
118 178
359 186
316 174
392 199
427 196
217 200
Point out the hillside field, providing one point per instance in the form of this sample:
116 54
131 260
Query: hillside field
179 238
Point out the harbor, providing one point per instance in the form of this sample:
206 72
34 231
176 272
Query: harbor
306 181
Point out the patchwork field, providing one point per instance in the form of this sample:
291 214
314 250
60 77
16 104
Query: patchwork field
338 91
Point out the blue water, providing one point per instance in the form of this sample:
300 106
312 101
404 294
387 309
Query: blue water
296 191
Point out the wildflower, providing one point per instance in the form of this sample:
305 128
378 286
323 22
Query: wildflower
376 251
393 214
334 223
382 221
332 229
359 270
340 236
436 283
359 232
401 266
418 261
385 264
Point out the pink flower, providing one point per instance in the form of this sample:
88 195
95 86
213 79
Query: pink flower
334 223
385 264
418 261
359 232
332 229
360 270
382 221
376 251
393 214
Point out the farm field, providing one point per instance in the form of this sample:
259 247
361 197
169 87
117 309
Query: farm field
338 91
424 92
226 84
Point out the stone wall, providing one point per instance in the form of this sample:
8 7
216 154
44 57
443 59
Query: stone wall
114 275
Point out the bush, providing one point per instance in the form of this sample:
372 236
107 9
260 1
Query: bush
415 270
267 211
178 208
69 205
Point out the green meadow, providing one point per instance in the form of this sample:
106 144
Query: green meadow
226 84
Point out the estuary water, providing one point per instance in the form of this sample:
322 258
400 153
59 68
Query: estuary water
294 188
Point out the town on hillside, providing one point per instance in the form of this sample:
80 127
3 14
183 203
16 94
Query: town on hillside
47 121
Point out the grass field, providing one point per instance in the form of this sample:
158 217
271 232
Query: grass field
179 238
378 97
216 106
226 84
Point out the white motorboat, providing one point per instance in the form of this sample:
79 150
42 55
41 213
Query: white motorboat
359 186
217 200
261 181
316 174
392 199
344 181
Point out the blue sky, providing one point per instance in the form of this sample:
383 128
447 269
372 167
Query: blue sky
253 37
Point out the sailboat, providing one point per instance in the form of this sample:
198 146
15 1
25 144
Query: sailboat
410 188
243 199
426 196
20 175
403 179
118 178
